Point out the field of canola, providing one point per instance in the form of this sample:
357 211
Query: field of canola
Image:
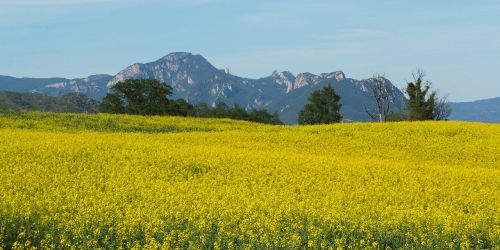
104 181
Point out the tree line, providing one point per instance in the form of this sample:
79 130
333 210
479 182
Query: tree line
421 103
150 97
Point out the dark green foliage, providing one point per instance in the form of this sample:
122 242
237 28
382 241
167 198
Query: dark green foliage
142 97
423 103
181 107
150 97
113 104
263 116
323 108
239 113
396 116
202 110
222 110
69 103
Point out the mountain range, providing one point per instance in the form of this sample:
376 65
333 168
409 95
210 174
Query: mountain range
487 110
92 86
195 79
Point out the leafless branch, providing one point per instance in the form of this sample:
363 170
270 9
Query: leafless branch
442 109
382 98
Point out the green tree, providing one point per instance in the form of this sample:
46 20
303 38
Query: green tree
421 100
323 107
239 113
143 97
150 97
181 107
113 104
397 116
202 110
263 116
221 110
424 103
275 119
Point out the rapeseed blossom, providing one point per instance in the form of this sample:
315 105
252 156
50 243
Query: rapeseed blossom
117 181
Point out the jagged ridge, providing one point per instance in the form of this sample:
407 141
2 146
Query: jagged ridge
195 79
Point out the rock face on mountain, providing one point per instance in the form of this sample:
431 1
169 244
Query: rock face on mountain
196 80
192 78
93 86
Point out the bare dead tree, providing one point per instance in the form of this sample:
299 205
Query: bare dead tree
442 109
382 98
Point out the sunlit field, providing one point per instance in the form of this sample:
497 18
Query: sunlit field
116 181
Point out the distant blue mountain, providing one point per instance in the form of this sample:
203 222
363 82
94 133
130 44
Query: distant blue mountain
487 110
93 86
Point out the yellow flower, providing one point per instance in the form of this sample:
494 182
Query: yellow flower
121 182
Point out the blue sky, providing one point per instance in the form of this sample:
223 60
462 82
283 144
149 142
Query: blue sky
456 42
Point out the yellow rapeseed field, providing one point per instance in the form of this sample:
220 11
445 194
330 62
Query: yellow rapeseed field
116 181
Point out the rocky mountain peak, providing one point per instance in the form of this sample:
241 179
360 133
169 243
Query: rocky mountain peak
284 78
186 58
337 75
181 62
193 78
97 77
305 79
176 56
284 75
133 71
174 68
